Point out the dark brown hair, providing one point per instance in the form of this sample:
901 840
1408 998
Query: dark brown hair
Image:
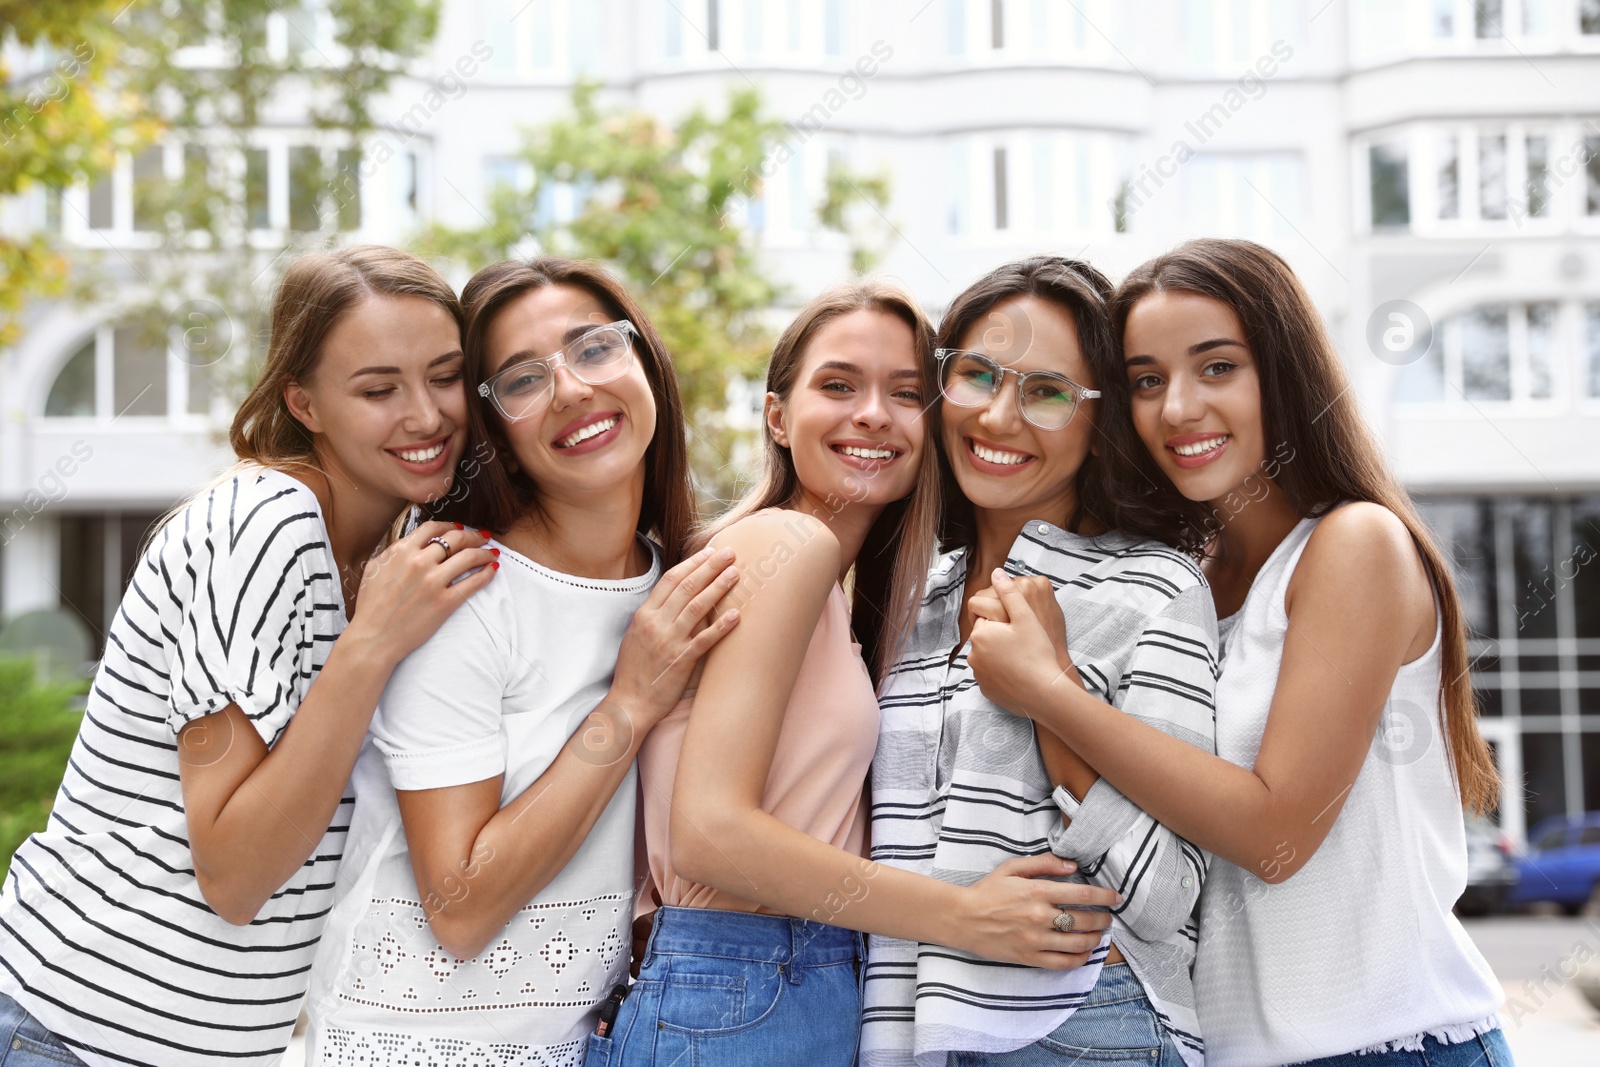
1307 404
892 566
1108 484
317 290
487 492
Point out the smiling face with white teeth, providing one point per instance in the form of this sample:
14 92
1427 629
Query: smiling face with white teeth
587 438
385 399
853 422
1196 395
1003 463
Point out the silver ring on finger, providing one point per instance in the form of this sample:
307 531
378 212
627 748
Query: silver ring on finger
442 543
1065 922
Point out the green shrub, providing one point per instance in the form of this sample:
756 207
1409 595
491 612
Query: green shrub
38 723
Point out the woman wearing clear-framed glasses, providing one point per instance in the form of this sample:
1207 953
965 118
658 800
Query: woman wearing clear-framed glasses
959 785
485 905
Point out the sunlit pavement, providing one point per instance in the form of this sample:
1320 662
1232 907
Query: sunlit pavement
1547 1022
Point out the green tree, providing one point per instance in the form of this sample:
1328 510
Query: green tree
200 73
667 207
63 117
37 728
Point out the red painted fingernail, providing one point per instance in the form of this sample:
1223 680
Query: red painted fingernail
495 564
496 552
459 526
485 534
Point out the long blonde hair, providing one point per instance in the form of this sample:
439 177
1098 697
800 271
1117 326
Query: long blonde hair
892 567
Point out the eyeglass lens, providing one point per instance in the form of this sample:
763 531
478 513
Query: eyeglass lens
1046 400
597 357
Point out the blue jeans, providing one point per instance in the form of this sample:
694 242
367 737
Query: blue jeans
1486 1050
1116 1024
731 989
24 1042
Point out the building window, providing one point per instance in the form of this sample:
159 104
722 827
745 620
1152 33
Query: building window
1591 170
139 372
74 390
98 554
713 25
1591 340
1448 163
149 188
257 193
1492 175
1488 354
955 27
997 24
1488 19
956 189
1589 16
101 204
1002 201
1528 572
754 29
1390 188
148 370
833 27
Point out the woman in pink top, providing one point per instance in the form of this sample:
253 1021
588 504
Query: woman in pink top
753 798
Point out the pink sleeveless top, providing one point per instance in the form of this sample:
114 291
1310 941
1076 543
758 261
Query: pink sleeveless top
825 748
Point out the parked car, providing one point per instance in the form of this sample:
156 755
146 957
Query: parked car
1562 864
1491 869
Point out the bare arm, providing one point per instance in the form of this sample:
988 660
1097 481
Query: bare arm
478 864
1359 606
255 815
722 837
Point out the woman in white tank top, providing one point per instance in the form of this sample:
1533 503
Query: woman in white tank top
1346 728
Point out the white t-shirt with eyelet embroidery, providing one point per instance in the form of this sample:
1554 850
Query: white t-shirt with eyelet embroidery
499 689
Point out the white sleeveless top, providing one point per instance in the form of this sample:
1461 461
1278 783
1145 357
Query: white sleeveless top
1358 951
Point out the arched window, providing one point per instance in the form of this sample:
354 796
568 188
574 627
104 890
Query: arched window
134 370
74 390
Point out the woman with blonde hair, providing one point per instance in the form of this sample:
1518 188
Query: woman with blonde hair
168 913
755 819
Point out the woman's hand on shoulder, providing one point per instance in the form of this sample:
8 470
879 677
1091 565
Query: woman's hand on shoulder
1014 908
412 586
670 632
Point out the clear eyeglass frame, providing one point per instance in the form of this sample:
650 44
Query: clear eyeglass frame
492 387
1079 393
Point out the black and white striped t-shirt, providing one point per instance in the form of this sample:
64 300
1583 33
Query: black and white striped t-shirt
104 936
958 787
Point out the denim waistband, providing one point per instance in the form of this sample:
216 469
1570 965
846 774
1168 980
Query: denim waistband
741 935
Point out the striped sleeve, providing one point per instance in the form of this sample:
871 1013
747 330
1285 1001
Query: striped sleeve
1169 683
245 636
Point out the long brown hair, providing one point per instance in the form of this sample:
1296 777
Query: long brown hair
1307 403
487 492
317 290
1113 491
893 563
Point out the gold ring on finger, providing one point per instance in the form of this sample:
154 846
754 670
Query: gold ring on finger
442 543
1065 921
